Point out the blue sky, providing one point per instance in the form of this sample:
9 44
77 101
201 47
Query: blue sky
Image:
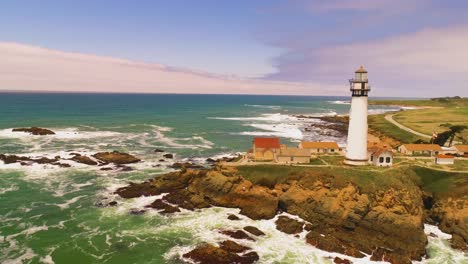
319 42
204 35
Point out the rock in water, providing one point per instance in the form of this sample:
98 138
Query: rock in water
238 234
168 156
34 131
288 225
254 231
233 217
232 246
338 260
83 159
209 254
116 157
164 207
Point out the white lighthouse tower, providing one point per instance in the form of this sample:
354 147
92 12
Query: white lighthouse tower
356 150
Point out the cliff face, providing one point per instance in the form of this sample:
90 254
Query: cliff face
452 217
387 224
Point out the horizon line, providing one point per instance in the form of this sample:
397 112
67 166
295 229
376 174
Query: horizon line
149 93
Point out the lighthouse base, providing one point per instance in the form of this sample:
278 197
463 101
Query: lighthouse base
356 162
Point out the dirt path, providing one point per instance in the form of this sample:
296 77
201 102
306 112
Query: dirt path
390 119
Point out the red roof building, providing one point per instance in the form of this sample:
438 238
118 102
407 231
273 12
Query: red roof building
272 143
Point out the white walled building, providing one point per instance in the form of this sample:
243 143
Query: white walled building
381 157
356 150
444 159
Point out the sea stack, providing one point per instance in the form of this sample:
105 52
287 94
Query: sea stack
356 150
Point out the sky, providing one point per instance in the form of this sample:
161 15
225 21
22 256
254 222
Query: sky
413 48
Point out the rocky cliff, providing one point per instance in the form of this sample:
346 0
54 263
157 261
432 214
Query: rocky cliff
386 223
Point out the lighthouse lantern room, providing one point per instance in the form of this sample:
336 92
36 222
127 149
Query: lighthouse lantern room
356 150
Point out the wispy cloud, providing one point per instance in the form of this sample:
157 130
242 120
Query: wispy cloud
429 62
26 67
412 48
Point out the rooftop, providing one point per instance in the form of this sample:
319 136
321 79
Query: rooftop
463 148
317 144
361 70
443 156
266 142
422 147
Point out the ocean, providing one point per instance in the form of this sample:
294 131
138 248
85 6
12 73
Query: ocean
50 214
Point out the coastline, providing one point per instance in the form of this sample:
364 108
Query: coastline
89 189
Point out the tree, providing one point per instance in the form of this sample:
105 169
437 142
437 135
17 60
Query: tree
450 134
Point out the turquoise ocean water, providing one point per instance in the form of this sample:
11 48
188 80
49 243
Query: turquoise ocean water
49 214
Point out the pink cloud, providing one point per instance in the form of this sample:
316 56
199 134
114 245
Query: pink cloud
425 63
26 67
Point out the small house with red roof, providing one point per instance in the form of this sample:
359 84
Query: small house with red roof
444 159
265 148
380 155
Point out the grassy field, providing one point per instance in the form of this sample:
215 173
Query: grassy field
428 120
442 183
381 127
368 178
369 181
453 111
438 102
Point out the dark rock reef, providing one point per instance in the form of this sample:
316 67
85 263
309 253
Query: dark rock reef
116 157
102 158
34 131
386 223
209 254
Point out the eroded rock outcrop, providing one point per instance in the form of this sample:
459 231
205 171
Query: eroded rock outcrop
83 159
386 223
451 214
34 131
209 254
116 157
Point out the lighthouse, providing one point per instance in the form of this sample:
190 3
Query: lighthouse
356 150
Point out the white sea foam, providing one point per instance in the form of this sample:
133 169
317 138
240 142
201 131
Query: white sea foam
340 102
264 106
11 188
279 130
277 117
439 249
66 204
272 248
27 255
47 260
196 141
66 133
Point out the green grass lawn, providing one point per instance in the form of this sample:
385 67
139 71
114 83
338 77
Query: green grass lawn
378 125
441 182
332 159
428 120
316 162
425 102
453 111
368 178
459 165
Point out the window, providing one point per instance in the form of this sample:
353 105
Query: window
292 158
371 158
332 150
387 159
381 160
